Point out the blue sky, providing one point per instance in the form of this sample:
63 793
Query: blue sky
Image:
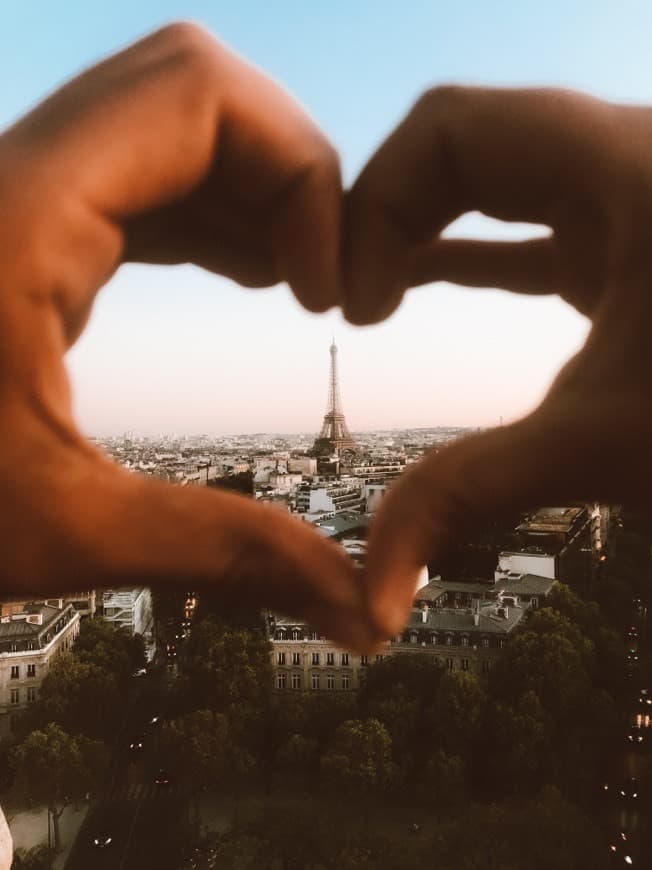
177 350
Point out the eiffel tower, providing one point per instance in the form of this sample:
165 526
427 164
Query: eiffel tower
334 437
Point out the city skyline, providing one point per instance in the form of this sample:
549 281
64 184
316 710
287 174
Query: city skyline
175 349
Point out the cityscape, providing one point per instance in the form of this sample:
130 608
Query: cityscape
174 728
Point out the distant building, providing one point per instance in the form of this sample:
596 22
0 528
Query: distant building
28 642
329 498
83 601
131 609
469 637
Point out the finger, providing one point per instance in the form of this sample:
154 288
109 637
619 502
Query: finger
523 267
563 453
526 155
146 129
534 266
146 532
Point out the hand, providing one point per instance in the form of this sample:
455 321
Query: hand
584 168
174 150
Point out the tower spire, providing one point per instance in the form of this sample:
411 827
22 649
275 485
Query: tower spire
334 436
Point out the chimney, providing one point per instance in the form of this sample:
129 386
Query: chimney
476 618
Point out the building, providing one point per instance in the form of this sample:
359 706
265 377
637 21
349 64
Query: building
329 498
84 602
464 637
28 642
131 609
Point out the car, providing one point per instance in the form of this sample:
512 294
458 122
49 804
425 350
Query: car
136 743
635 734
102 840
620 849
628 788
632 656
155 721
644 698
140 672
162 778
632 632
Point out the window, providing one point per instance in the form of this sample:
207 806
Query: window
280 634
281 681
449 664
295 634
449 640
434 639
465 664
15 696
485 643
330 681
413 637
296 658
330 658
501 642
465 640
345 681
15 672
30 644
296 681
345 659
364 661
534 601
315 681
379 657
314 636
486 666
13 647
31 694
315 658
280 658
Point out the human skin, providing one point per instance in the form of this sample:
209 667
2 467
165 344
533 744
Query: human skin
175 151
582 167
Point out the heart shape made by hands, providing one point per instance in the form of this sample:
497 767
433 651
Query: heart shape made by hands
176 150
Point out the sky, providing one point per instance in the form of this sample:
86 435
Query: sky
179 350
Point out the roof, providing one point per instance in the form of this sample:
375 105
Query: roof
551 520
20 628
526 584
445 620
343 522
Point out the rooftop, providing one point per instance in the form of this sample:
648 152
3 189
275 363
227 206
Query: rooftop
551 520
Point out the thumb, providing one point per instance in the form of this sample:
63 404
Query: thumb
550 457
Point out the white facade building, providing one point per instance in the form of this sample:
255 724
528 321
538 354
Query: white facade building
132 610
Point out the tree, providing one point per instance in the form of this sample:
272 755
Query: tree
359 758
230 671
55 768
114 650
80 696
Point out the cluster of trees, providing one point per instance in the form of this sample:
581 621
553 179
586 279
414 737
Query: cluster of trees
538 728
536 833
61 750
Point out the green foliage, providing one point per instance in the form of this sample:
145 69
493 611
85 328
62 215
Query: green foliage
114 650
80 696
228 669
359 758
55 768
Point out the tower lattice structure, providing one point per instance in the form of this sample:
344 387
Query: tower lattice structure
334 436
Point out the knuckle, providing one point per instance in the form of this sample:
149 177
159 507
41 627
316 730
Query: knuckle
439 99
186 35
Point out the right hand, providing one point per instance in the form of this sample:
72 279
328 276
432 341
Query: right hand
584 168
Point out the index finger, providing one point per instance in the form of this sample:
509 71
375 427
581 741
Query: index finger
517 155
